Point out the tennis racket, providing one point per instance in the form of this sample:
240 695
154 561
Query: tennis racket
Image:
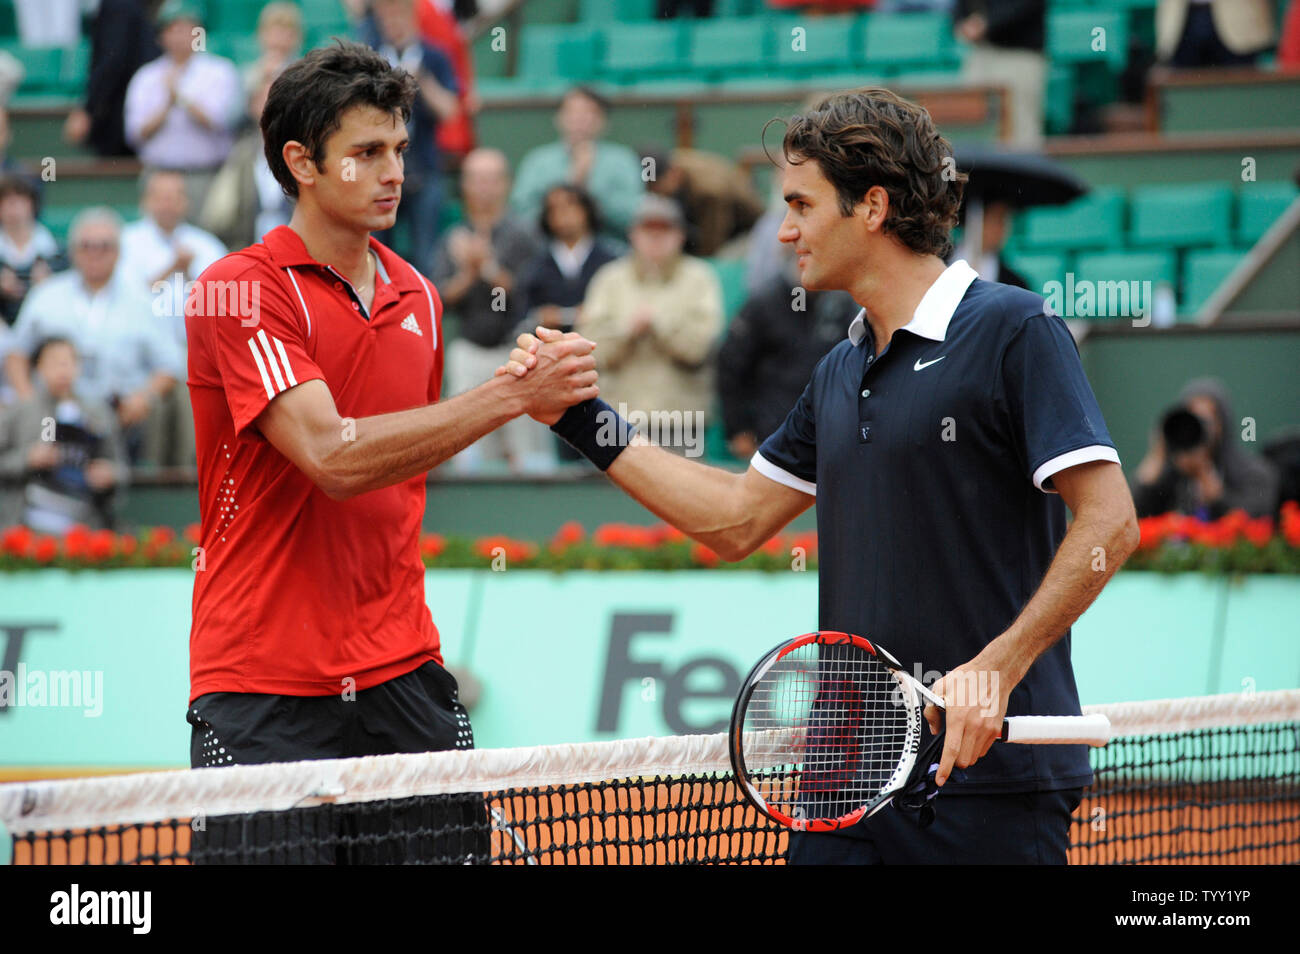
828 727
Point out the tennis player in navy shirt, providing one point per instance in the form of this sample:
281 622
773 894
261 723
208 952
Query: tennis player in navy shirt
943 441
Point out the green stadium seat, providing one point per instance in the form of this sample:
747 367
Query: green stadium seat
57 218
75 68
738 8
1058 99
570 52
8 20
1180 216
1038 268
1203 271
808 44
1095 221
1072 37
731 275
234 17
43 67
720 49
1258 206
244 50
903 41
635 50
1112 275
615 11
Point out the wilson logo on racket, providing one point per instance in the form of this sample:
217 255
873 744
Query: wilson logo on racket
827 730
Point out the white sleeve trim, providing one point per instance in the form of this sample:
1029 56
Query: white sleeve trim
773 472
1083 455
301 300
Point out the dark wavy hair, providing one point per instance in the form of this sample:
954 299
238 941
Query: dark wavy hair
581 196
307 101
868 137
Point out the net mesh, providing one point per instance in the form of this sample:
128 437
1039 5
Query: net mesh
1206 780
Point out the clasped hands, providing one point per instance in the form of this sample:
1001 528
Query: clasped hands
554 370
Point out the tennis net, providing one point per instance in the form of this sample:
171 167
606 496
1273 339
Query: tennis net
1213 779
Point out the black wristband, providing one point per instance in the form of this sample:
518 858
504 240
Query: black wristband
595 431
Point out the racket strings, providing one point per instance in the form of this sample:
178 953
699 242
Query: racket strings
824 731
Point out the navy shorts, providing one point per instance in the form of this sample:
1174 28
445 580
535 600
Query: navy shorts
1023 828
416 712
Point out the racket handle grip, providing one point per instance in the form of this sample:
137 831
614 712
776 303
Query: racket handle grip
1057 730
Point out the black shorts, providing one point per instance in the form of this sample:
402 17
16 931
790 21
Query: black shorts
417 712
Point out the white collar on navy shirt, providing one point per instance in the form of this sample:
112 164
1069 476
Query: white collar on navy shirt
930 320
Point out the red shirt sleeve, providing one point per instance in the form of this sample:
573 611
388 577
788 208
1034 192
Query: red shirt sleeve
260 349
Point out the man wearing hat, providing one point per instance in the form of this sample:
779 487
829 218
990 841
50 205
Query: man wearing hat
657 314
182 108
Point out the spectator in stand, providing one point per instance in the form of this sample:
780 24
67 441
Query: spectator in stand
128 360
66 477
439 25
121 41
555 282
713 192
279 40
1288 48
476 270
245 202
581 157
1006 49
28 252
769 353
668 9
1196 465
182 108
162 246
656 315
422 192
1192 33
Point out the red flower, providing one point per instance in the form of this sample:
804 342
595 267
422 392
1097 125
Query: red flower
16 541
568 534
774 547
432 545
806 541
626 535
1259 531
1291 523
76 541
514 551
671 534
45 549
194 533
128 544
704 556
161 536
101 545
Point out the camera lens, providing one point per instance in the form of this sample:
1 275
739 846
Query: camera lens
1183 430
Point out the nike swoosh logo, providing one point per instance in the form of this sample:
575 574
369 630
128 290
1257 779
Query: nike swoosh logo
919 364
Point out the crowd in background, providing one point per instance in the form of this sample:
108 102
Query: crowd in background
585 234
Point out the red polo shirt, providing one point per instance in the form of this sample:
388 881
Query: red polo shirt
297 593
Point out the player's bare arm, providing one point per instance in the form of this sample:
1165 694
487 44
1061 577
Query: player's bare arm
732 514
1103 534
348 458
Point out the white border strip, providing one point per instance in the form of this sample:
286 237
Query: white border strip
784 477
160 796
1084 455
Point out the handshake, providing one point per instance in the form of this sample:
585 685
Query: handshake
552 371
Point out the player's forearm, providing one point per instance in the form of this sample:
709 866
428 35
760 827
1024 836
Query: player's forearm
705 503
1096 545
386 449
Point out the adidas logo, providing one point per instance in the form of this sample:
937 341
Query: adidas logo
410 324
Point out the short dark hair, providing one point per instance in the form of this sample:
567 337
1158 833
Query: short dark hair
49 342
591 93
581 196
307 101
868 137
15 184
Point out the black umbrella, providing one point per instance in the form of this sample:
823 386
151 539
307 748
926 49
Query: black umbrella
1020 179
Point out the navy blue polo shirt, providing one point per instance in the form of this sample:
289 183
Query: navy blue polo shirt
932 466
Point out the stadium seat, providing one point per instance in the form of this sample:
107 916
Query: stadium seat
1095 221
721 49
8 20
1181 216
1104 268
569 51
1073 37
731 275
1038 268
43 67
615 11
635 50
1258 206
234 17
1203 272
807 44
908 41
1058 99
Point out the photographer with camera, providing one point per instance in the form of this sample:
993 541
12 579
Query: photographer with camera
1196 466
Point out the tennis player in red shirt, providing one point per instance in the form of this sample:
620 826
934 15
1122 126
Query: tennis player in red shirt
315 361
